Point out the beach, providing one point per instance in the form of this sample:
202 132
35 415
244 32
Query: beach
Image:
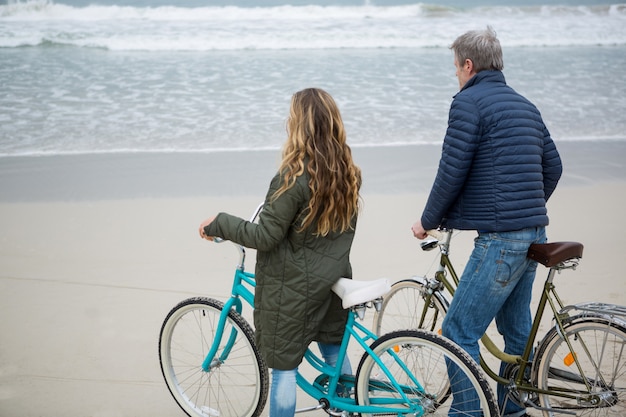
96 249
125 123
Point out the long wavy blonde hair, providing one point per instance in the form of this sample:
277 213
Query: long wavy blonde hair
317 140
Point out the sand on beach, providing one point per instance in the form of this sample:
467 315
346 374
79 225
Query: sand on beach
95 251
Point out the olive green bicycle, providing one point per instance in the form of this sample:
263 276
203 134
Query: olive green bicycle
577 368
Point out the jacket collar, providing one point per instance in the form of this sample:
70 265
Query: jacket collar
485 76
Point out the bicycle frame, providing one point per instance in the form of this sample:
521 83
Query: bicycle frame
358 332
243 288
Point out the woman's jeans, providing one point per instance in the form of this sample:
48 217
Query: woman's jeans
283 392
496 283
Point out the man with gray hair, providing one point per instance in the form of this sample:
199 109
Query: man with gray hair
498 168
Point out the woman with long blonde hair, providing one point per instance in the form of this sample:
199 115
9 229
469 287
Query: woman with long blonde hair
303 239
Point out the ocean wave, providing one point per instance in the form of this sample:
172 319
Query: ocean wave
234 149
40 23
46 10
42 10
64 152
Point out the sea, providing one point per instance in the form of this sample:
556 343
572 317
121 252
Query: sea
126 76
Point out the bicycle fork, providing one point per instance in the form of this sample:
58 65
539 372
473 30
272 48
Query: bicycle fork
211 361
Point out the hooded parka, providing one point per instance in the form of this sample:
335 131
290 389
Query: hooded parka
295 270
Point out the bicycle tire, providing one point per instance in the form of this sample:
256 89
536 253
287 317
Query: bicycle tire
427 355
600 347
403 306
236 387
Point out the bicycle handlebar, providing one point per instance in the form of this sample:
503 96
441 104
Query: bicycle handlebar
252 219
241 248
435 234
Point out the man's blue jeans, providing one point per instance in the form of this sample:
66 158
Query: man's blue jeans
496 283
283 393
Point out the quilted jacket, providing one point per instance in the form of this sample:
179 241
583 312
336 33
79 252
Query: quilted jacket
293 303
499 164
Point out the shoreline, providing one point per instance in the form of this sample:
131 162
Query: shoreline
386 170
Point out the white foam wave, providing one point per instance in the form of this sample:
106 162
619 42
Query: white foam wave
125 150
44 23
43 10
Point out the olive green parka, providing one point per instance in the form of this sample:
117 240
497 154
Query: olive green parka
295 270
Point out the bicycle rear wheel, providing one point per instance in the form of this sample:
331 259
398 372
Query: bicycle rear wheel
236 386
425 357
410 305
600 349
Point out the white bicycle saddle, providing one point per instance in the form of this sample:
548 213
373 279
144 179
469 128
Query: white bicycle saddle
358 292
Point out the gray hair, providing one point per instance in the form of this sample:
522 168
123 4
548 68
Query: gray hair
482 47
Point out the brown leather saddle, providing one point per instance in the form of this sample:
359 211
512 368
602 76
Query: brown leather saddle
551 254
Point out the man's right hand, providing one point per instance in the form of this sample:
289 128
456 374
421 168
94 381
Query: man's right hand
418 230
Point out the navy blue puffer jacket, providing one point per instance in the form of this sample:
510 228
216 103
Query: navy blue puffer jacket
499 164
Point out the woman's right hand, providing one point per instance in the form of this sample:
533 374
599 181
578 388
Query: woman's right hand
203 225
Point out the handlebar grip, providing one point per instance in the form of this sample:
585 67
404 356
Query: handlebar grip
435 234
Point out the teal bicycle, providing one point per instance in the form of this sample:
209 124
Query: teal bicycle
212 366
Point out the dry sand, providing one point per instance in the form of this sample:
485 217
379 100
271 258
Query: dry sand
95 250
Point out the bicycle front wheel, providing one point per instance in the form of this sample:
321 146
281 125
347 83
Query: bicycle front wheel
591 376
430 371
410 305
237 382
